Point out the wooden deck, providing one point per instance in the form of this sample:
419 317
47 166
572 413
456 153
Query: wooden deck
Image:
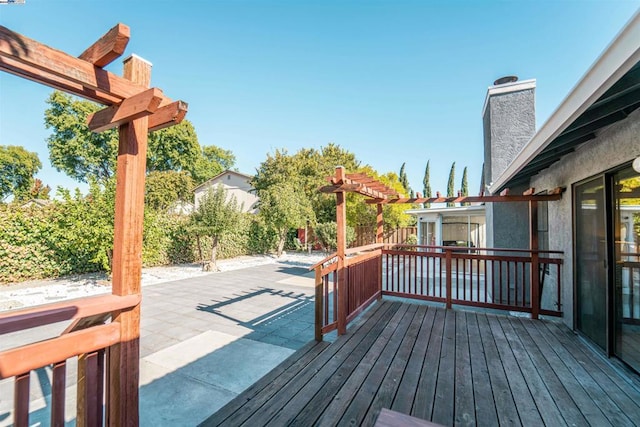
449 367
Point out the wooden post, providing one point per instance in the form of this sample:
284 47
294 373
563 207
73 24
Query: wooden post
447 253
319 304
124 357
341 246
534 286
379 225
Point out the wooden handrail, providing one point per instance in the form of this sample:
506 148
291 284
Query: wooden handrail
33 356
26 318
462 248
363 257
349 251
365 248
324 260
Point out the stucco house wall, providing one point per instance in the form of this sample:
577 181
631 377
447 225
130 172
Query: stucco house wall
614 146
236 184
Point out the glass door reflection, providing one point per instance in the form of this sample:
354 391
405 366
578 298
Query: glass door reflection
626 188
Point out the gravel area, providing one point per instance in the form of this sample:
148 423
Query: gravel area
31 293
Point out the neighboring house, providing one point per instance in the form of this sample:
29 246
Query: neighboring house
181 208
590 146
237 184
451 226
36 203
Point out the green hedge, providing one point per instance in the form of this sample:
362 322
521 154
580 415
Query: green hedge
75 235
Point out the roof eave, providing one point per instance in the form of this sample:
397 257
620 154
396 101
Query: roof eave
618 58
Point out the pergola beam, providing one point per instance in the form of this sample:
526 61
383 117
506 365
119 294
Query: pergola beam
37 75
108 48
67 70
135 107
555 194
168 115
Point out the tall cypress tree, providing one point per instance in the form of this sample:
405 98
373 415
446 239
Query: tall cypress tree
450 184
404 180
465 185
426 185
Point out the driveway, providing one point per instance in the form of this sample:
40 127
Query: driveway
203 341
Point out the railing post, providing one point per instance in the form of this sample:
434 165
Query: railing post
380 274
447 252
319 303
341 246
534 286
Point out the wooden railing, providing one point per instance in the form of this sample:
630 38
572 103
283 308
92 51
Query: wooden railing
88 338
362 276
504 279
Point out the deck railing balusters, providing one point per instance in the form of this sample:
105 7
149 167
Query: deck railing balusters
440 270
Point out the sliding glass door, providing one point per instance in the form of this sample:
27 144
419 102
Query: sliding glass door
591 255
626 217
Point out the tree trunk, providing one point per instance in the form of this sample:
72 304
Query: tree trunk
200 258
281 241
214 253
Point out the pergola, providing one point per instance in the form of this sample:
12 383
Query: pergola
136 109
380 194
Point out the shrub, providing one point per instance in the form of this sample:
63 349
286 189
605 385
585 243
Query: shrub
327 233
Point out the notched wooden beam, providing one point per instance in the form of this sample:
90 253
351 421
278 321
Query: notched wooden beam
109 47
135 107
168 115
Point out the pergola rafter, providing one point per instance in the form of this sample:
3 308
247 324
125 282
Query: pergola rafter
136 109
359 183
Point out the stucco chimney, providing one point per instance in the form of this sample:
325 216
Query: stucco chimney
509 121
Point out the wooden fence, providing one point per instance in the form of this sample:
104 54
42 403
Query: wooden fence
366 235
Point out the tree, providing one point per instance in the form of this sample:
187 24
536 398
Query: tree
215 217
17 168
73 148
213 161
82 154
306 170
282 209
37 191
450 183
404 180
174 148
426 185
162 188
465 185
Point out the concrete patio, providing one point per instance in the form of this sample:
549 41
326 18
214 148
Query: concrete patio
203 341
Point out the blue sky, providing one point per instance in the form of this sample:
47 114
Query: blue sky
392 81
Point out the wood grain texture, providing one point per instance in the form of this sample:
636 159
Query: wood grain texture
127 258
446 367
109 47
26 318
33 356
31 55
135 107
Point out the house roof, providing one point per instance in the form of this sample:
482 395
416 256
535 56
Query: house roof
608 92
37 202
228 171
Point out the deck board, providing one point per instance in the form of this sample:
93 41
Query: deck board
448 367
